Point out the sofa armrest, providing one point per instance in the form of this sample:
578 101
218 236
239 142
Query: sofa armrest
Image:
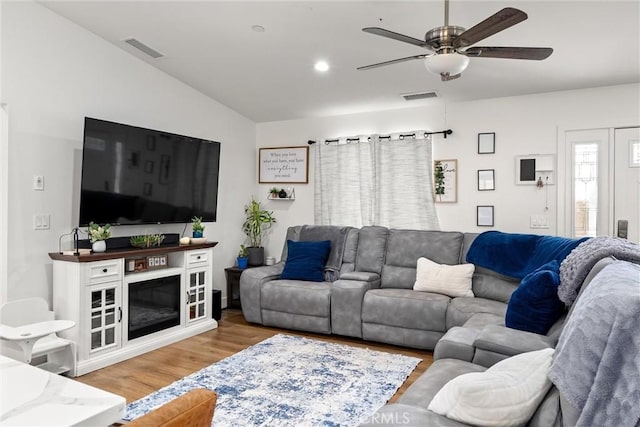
251 282
496 343
346 305
363 276
457 343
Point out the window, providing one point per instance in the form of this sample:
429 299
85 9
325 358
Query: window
585 181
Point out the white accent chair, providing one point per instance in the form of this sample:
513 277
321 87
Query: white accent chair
28 333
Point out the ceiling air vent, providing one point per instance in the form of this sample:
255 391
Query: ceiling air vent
143 48
419 95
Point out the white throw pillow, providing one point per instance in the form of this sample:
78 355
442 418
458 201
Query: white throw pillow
451 280
506 394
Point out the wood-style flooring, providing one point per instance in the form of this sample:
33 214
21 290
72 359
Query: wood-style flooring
142 375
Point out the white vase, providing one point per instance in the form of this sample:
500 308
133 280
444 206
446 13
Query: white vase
99 246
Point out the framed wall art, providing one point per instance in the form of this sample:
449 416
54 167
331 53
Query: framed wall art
284 165
484 216
486 180
486 143
445 174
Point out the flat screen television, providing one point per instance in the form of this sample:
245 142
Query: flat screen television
132 175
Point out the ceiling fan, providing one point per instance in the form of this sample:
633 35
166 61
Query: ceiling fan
447 42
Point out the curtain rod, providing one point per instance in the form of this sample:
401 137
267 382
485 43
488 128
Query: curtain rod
443 132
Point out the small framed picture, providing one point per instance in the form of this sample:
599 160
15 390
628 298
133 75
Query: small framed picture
486 143
486 180
485 216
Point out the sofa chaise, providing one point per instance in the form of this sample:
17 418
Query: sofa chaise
594 378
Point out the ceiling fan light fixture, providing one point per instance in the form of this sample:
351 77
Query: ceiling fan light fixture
448 63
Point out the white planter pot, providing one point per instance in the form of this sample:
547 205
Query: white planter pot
99 246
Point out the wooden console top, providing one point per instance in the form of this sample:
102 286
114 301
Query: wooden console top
129 252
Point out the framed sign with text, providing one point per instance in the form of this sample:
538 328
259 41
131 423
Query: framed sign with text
284 164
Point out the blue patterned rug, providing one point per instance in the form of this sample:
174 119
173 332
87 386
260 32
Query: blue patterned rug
293 381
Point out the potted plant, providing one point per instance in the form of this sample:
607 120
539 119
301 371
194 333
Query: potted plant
243 257
98 235
257 220
197 226
273 192
439 179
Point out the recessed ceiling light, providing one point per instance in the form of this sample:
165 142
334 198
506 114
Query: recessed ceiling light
321 66
257 28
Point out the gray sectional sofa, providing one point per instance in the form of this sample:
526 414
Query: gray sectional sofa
373 298
606 374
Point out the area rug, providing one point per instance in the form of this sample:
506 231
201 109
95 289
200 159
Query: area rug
293 381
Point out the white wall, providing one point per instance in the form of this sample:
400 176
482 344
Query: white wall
523 125
55 73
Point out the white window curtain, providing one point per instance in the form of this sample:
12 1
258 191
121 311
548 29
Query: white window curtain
375 180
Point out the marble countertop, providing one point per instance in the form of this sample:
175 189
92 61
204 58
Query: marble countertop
34 397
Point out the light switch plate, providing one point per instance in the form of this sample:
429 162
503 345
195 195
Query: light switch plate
38 182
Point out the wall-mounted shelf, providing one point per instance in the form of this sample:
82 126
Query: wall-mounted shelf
291 195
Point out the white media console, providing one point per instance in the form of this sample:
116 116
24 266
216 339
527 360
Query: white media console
120 314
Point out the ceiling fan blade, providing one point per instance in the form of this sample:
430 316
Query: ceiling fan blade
499 21
533 53
395 36
393 61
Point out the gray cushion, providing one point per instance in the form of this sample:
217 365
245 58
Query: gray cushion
422 391
486 283
350 250
298 297
405 308
503 340
404 247
371 248
462 308
293 233
406 337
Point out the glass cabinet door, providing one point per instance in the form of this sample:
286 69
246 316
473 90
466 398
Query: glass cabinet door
196 295
105 315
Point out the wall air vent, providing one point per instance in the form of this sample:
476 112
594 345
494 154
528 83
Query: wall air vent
419 95
143 48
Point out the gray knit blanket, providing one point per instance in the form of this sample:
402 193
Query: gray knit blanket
578 263
596 364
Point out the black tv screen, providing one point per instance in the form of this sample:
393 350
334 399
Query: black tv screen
132 175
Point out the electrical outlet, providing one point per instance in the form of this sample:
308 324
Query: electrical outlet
38 182
539 221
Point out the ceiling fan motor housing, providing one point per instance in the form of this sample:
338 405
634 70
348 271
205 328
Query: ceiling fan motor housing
442 37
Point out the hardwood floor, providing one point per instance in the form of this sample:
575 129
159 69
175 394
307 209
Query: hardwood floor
137 377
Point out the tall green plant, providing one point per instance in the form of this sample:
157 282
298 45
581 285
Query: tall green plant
257 220
439 179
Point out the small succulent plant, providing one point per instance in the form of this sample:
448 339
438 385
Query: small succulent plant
146 240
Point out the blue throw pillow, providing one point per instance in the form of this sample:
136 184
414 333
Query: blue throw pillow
534 306
306 260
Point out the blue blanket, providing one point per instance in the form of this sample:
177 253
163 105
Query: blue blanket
516 255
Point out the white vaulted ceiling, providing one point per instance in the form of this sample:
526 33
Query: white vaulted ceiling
268 76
